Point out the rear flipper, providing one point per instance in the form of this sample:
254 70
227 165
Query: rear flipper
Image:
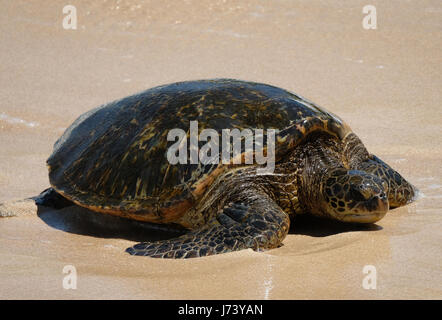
29 206
400 191
51 198
258 225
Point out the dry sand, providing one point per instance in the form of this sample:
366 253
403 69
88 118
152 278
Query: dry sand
386 83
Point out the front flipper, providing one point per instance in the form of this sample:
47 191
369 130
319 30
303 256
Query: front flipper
259 224
400 191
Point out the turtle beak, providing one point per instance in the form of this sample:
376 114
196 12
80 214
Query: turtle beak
373 210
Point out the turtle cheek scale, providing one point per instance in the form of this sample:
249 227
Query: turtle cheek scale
356 199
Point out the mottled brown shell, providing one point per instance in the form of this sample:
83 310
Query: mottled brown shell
113 158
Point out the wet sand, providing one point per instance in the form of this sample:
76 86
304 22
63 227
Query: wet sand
385 83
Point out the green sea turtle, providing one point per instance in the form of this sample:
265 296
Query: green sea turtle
113 160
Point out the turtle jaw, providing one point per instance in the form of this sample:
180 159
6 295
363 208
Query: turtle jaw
369 211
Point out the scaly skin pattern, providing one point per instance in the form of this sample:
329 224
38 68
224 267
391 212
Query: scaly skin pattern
257 223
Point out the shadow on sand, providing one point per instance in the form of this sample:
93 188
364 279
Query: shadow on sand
317 227
78 220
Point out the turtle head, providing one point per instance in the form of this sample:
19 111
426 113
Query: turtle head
354 196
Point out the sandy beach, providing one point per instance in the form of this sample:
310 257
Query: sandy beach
384 82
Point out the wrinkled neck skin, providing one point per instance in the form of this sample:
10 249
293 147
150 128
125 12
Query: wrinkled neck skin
315 159
298 181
